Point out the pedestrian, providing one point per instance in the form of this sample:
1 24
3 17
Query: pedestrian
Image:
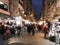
32 29
18 30
45 29
29 29
8 33
48 24
39 28
23 30
12 29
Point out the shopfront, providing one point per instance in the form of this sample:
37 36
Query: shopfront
4 13
4 16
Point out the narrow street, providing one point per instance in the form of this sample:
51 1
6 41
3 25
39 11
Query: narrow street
30 40
20 18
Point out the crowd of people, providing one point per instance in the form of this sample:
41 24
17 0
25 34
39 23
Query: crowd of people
8 30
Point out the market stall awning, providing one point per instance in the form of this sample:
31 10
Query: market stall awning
4 12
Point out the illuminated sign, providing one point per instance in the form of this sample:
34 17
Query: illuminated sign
3 6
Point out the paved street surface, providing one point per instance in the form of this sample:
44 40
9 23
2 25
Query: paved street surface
30 40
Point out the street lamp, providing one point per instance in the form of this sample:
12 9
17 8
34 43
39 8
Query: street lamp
23 12
25 15
31 15
41 18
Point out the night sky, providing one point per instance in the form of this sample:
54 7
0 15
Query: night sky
37 7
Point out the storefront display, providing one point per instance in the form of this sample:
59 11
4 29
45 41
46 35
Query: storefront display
54 33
